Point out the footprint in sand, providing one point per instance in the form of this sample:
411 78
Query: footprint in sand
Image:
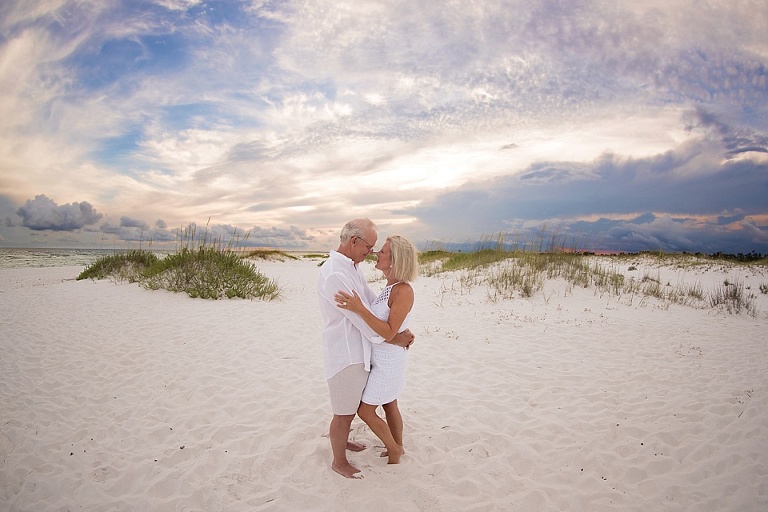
6 446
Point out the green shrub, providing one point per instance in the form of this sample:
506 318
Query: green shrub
470 260
206 272
127 266
209 273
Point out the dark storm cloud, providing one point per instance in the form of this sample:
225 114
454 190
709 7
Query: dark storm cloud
41 213
649 232
735 140
619 187
127 222
694 181
232 236
9 216
290 237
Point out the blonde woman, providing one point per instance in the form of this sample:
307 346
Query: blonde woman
389 315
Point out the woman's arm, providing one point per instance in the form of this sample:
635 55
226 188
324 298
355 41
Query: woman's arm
401 302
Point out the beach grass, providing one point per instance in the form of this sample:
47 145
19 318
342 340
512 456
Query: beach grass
124 266
268 254
210 273
733 298
207 268
201 267
509 271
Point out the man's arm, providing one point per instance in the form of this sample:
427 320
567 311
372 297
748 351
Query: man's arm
403 339
402 302
336 282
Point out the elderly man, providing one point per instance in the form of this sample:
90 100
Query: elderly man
346 337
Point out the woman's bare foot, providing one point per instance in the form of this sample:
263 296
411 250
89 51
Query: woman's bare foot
385 453
394 458
347 470
355 447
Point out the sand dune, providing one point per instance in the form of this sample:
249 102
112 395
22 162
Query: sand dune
113 398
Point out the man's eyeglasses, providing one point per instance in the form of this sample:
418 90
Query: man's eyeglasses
369 246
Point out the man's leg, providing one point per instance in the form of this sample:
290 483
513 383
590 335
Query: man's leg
346 388
339 435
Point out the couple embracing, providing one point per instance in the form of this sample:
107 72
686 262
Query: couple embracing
365 338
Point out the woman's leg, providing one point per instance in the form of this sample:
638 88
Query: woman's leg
379 427
395 421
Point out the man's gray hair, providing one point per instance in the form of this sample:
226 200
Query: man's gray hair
356 228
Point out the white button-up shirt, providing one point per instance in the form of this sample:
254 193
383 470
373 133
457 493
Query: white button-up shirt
346 337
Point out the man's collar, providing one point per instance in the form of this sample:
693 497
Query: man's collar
338 255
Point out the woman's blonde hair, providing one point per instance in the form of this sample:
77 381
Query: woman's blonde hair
405 259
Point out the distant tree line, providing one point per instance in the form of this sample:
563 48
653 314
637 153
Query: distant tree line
741 257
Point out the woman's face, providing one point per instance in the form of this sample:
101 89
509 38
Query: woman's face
384 257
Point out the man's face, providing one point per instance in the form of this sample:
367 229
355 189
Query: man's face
363 246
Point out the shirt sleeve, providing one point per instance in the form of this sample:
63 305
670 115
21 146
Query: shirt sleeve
336 282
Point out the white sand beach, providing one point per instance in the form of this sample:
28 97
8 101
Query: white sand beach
118 398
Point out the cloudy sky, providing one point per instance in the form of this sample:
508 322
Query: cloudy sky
616 125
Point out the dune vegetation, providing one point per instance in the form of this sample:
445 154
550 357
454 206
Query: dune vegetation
200 267
508 270
206 268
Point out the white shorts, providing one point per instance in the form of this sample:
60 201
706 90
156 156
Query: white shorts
346 389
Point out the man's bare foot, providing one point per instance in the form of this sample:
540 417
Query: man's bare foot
394 458
347 470
355 447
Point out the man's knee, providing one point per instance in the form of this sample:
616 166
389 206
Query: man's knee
343 419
